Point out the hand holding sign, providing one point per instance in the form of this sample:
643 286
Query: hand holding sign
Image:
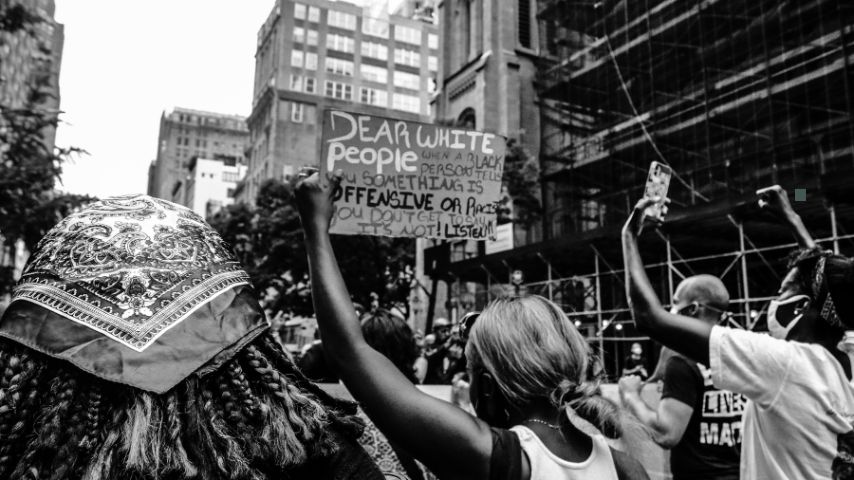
408 179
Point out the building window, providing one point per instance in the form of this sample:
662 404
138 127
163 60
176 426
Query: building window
297 112
374 27
299 34
432 63
339 67
373 74
313 14
407 103
311 61
524 12
372 96
296 83
311 37
408 35
339 90
299 11
407 57
340 43
309 85
296 58
341 20
432 41
407 80
374 50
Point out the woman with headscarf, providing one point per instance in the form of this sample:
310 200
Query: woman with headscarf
134 348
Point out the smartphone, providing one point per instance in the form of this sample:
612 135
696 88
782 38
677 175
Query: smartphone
657 184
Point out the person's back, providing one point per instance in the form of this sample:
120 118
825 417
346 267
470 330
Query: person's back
800 411
545 465
134 348
698 422
798 423
711 445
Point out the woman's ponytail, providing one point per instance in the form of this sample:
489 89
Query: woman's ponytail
587 402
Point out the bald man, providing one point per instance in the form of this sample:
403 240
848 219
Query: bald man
701 424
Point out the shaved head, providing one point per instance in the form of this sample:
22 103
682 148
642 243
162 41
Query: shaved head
703 289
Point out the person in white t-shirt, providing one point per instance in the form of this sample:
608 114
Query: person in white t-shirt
799 421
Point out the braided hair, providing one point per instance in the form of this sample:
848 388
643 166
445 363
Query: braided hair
255 417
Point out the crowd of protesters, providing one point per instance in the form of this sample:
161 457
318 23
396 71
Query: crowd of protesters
134 347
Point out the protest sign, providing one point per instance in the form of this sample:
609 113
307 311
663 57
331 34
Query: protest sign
409 179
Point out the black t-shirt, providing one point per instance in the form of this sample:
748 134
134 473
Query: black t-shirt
710 448
635 366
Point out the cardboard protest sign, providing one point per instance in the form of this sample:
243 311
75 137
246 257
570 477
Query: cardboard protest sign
409 179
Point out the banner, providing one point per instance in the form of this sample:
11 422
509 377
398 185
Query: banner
410 179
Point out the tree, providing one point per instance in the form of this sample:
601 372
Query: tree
522 181
268 240
29 166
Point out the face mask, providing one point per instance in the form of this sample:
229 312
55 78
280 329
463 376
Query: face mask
784 315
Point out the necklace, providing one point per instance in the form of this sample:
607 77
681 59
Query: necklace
543 422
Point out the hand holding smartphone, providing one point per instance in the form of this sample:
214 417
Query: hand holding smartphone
657 184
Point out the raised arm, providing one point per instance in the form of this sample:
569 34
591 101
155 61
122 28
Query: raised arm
686 335
775 200
450 442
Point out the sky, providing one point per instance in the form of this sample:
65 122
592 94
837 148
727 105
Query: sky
125 62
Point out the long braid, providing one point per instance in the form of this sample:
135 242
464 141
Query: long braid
48 430
242 391
104 460
346 412
238 465
174 428
16 412
69 452
278 429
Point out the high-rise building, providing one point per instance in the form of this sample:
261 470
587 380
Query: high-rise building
186 134
211 184
317 54
31 59
489 63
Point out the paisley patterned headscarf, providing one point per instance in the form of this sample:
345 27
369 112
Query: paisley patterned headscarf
134 290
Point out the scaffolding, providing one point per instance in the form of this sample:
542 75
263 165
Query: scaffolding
735 95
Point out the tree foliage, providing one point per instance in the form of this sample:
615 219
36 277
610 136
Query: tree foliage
268 240
521 180
29 166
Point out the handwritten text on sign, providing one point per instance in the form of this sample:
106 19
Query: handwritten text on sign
408 179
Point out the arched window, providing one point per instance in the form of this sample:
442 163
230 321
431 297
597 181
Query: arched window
467 119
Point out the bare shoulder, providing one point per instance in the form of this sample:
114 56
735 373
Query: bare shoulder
627 467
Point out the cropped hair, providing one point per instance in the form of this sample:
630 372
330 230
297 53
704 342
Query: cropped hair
534 352
392 337
255 417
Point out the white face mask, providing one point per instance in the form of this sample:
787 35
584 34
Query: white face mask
791 311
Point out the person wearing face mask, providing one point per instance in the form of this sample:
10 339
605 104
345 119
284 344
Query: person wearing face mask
699 423
799 419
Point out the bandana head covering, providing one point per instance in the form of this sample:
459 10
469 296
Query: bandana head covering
135 290
832 286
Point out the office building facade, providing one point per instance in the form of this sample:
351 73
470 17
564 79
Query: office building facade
316 54
211 184
33 60
187 134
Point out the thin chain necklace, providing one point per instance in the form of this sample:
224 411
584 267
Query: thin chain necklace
543 422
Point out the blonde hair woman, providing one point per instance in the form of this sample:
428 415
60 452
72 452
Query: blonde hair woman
530 371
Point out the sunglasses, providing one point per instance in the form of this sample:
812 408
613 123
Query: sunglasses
466 324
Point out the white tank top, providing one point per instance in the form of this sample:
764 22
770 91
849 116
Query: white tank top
545 465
